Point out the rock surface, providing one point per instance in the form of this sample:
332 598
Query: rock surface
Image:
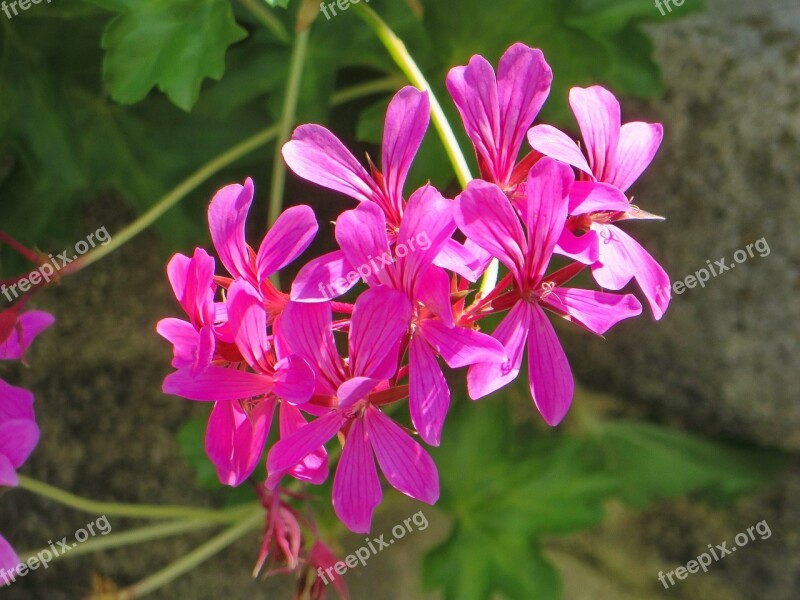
726 357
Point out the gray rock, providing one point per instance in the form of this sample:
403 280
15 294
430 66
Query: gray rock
725 359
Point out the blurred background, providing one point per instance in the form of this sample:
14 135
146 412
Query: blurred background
683 433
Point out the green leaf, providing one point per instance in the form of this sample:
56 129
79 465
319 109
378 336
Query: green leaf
172 44
278 3
191 439
506 489
652 462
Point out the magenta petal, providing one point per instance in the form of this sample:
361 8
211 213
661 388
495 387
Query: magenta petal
248 320
306 329
468 260
428 394
15 403
314 467
433 291
355 389
18 438
485 378
474 91
486 217
8 559
598 115
546 211
403 461
406 122
217 383
361 234
381 317
30 324
427 225
287 239
323 278
293 449
227 216
638 144
356 488
523 84
315 154
8 478
235 440
584 248
552 385
462 346
591 196
294 379
554 143
621 258
597 311
192 281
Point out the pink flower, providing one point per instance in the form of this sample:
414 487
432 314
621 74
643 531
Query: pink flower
427 226
379 322
486 215
17 331
617 155
194 342
315 154
19 432
237 432
287 239
498 110
321 561
9 561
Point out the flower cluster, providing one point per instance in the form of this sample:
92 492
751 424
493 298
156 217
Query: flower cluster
19 433
252 349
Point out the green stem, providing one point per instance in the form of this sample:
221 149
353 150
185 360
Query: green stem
198 556
286 124
183 189
399 53
267 19
376 86
133 511
128 538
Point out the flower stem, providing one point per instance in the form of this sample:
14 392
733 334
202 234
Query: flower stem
134 511
199 555
128 538
399 53
376 86
289 112
267 19
177 194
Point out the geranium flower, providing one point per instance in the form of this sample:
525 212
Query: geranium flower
487 216
497 110
617 155
358 387
427 225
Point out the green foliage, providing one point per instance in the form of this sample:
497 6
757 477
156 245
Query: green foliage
81 113
172 44
509 486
